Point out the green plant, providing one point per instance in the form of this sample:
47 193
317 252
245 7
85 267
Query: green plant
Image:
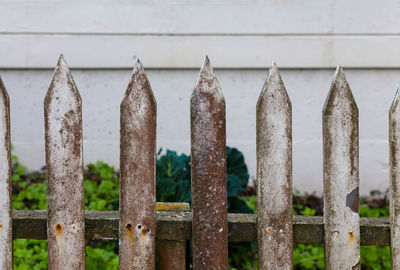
30 254
101 187
173 179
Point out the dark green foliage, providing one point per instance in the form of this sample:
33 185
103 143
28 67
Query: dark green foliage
173 179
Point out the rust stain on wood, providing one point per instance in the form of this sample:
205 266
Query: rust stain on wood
64 168
6 243
351 236
274 175
58 229
341 176
208 150
177 226
138 158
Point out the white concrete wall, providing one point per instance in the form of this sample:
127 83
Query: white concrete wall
102 91
100 38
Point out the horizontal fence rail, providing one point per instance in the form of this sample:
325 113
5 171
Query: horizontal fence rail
177 225
147 229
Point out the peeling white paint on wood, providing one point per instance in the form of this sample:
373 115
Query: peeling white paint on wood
64 161
6 243
341 177
137 228
274 175
394 159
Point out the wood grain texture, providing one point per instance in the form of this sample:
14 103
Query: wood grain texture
208 153
6 243
394 159
274 175
137 230
341 177
64 171
177 226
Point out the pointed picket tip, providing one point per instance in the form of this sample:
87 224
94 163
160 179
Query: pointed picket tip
274 81
138 84
339 91
3 92
206 67
206 71
62 81
273 70
396 101
138 67
274 87
207 82
62 66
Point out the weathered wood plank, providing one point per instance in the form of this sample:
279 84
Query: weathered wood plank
208 150
137 230
177 226
172 254
64 169
274 175
394 159
6 244
341 176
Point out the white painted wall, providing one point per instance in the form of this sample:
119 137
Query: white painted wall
177 33
102 91
307 39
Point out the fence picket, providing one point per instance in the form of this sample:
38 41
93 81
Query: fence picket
64 166
209 195
6 255
341 176
274 175
394 151
137 229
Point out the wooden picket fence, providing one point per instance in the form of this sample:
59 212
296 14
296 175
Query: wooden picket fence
145 229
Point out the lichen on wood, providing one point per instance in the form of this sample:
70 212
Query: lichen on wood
274 174
137 228
177 226
64 171
394 151
208 164
6 244
341 176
